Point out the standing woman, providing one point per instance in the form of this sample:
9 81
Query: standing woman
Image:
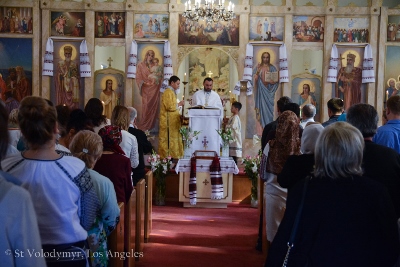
120 118
347 219
61 188
87 146
94 112
113 163
278 150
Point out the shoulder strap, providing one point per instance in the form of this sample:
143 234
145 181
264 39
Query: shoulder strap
298 215
290 243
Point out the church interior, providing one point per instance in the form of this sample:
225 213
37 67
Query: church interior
308 29
132 47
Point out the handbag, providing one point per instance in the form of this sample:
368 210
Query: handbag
290 243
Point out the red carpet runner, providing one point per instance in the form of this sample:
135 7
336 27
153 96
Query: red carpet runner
191 237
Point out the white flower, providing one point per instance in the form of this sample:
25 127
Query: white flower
254 169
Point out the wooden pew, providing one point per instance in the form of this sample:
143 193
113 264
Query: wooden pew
130 231
148 199
140 199
116 239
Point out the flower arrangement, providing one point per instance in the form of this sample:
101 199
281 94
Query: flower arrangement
188 135
226 136
160 168
251 168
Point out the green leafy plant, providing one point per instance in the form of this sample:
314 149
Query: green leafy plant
160 168
188 135
226 136
251 168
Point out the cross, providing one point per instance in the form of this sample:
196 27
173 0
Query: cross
340 59
205 142
109 62
205 182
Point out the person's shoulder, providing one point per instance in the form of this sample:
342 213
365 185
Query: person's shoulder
132 130
127 134
116 157
71 164
99 178
10 160
213 92
168 91
384 128
369 184
379 150
198 92
11 192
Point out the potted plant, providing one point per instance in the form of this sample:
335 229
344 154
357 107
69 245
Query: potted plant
160 168
226 137
251 168
188 136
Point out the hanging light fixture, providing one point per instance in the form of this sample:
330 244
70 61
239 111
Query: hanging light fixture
210 11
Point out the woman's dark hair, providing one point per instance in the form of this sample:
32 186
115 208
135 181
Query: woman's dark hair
78 121
94 111
62 118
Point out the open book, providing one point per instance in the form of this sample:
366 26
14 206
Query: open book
269 76
203 107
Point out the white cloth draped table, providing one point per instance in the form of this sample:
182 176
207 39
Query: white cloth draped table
203 165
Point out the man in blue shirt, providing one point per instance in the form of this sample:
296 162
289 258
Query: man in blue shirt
389 134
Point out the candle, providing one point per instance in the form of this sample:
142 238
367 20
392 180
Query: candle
104 109
183 98
185 77
387 95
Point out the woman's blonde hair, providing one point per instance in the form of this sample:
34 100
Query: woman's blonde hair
87 146
339 151
120 117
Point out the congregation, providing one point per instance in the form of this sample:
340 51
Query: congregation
75 166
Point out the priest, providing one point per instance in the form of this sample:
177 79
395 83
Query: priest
170 141
207 97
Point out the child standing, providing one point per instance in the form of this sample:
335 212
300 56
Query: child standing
235 148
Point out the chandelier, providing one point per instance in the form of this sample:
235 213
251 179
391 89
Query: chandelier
210 12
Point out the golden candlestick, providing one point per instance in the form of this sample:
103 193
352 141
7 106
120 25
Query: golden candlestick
184 120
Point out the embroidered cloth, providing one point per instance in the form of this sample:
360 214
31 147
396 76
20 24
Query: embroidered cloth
132 61
85 69
48 66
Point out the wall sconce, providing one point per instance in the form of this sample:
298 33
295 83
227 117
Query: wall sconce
243 85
